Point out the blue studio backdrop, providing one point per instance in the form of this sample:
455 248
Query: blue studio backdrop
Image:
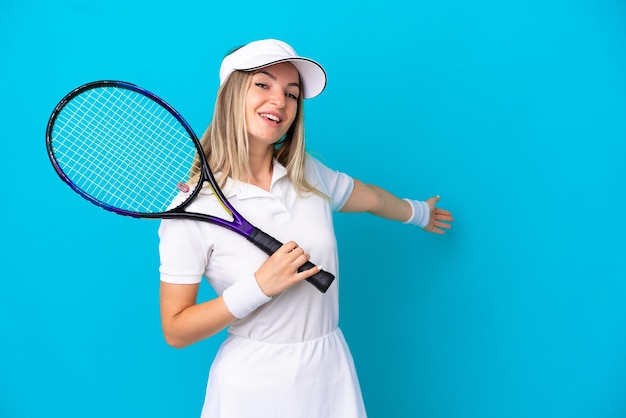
514 112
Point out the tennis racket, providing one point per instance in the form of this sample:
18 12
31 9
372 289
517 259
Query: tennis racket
126 150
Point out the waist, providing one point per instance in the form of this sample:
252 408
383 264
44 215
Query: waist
277 341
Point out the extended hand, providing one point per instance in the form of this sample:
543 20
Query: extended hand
440 219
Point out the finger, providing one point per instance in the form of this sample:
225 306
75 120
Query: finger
289 246
305 274
300 259
296 253
432 201
443 216
436 230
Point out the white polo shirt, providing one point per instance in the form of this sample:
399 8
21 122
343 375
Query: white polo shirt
193 249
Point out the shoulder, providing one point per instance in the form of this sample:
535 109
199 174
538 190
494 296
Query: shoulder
333 183
314 167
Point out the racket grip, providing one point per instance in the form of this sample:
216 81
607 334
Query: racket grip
321 280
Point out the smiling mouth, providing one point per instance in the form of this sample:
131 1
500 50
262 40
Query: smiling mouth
270 117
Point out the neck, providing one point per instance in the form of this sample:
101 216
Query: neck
261 168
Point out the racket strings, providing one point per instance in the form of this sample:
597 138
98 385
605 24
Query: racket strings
96 158
123 149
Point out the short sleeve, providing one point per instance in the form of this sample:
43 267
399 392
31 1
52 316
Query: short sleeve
335 184
184 253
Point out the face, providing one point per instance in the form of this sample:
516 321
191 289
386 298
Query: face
272 103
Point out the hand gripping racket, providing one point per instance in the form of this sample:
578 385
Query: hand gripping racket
126 150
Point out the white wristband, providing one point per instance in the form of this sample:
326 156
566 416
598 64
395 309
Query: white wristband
244 297
421 213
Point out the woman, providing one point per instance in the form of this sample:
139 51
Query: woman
284 355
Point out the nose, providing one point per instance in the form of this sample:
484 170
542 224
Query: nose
278 98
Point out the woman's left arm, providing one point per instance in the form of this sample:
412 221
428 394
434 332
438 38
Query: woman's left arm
379 202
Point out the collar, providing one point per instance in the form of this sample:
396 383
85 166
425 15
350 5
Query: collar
245 190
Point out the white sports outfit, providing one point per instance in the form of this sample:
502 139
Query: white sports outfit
288 357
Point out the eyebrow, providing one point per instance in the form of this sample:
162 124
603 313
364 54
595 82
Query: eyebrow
273 77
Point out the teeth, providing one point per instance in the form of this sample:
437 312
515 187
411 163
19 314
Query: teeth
271 117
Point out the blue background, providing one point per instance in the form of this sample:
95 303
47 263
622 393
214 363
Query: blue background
515 112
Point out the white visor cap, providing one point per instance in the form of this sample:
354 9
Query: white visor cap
263 53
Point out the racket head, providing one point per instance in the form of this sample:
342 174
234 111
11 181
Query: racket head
128 151
125 149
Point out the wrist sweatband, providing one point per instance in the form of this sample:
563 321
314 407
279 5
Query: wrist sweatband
244 297
421 213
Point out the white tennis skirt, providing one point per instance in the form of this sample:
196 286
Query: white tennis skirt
313 379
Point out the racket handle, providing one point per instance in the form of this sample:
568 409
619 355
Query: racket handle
321 280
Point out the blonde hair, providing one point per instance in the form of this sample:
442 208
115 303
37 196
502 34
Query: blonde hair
225 141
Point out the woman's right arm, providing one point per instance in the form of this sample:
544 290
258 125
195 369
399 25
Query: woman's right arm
183 321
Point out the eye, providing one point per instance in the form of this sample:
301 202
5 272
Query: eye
291 96
261 85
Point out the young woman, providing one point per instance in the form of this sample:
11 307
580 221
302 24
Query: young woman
284 355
